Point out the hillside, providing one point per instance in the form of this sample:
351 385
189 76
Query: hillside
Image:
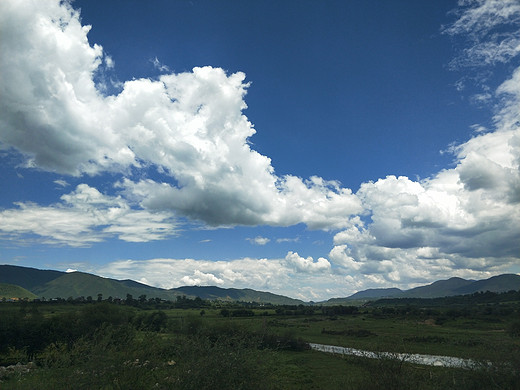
54 284
458 286
377 292
438 289
500 283
9 291
233 294
26 277
361 297
77 284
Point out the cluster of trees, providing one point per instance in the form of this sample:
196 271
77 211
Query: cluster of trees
27 329
181 302
339 310
441 314
468 299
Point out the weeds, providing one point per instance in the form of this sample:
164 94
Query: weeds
111 347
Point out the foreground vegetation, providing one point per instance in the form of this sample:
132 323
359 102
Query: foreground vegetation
197 344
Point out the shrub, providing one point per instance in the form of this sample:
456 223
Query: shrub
514 329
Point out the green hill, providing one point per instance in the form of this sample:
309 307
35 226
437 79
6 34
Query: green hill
77 284
26 277
500 283
53 284
440 288
9 291
56 284
234 294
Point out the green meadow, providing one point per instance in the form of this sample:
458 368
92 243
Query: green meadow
196 344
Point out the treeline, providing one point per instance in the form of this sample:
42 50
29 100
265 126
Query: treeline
181 302
469 299
143 302
28 330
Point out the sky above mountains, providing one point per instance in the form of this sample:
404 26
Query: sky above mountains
311 149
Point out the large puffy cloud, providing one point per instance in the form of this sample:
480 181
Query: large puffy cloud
188 126
48 96
308 264
83 217
242 199
200 278
463 221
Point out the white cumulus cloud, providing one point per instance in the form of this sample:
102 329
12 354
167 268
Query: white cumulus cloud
188 126
463 221
83 217
201 279
190 129
258 240
308 264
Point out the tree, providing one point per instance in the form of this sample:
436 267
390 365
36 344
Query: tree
514 329
129 299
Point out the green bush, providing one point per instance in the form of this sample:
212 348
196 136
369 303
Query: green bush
226 363
153 322
514 329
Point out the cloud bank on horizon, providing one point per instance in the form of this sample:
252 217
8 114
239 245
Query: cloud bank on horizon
190 129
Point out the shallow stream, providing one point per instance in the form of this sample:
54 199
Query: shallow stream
429 360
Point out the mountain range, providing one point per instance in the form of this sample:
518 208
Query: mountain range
52 284
438 289
24 282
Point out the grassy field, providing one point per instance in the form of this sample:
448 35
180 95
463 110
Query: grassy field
108 346
464 337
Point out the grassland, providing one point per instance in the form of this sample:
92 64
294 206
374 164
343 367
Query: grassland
156 345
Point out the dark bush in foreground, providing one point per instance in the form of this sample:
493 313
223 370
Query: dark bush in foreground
514 329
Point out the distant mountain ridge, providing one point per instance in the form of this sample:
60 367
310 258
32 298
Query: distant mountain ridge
439 289
26 277
52 284
377 293
234 294
77 284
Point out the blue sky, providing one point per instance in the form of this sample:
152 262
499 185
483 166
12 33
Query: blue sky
307 148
